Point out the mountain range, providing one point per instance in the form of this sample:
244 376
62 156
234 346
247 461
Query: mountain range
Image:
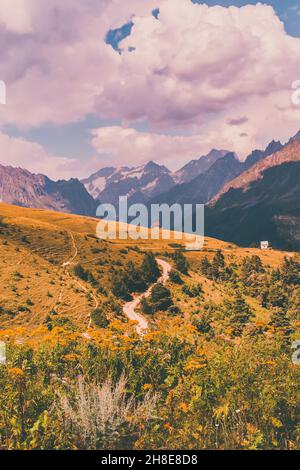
139 183
246 201
22 188
143 183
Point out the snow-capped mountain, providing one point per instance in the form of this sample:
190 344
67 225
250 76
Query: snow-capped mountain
142 183
139 184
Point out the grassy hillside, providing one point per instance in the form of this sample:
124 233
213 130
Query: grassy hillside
35 282
36 279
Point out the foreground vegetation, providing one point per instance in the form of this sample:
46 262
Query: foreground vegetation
216 379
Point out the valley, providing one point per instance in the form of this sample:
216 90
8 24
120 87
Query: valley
205 335
39 250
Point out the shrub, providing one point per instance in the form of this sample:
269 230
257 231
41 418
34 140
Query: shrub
80 272
99 319
193 291
175 277
104 416
181 262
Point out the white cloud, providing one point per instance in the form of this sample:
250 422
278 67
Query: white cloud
196 69
24 154
127 146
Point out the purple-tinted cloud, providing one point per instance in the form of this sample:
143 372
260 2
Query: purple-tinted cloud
238 121
194 68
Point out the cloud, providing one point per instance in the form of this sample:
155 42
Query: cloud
128 146
237 121
196 69
55 61
197 60
16 20
32 156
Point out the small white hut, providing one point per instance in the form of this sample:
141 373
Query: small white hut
264 245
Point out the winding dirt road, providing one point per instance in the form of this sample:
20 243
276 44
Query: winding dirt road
129 309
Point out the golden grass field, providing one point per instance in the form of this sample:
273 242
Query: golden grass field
39 248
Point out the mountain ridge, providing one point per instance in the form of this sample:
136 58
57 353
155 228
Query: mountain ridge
267 209
142 183
288 152
202 188
23 188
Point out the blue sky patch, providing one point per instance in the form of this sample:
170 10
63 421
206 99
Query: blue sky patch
287 10
115 36
156 13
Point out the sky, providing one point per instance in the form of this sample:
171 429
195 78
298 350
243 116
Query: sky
110 83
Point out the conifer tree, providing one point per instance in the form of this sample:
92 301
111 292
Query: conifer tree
150 269
281 323
80 272
290 272
219 260
135 278
160 298
239 313
181 262
206 267
277 296
120 286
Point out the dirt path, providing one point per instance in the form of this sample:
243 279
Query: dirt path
74 256
129 309
67 264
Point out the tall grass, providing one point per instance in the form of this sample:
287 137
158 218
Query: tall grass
104 416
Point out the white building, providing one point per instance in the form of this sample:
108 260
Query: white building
264 245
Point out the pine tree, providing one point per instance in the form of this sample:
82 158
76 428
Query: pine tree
206 267
99 318
281 323
181 262
294 305
160 298
120 286
219 260
135 278
290 272
175 277
150 269
239 313
251 266
80 272
277 296
218 265
203 323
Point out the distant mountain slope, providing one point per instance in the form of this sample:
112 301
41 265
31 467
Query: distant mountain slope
202 188
196 167
22 188
142 183
287 153
259 155
138 183
265 207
